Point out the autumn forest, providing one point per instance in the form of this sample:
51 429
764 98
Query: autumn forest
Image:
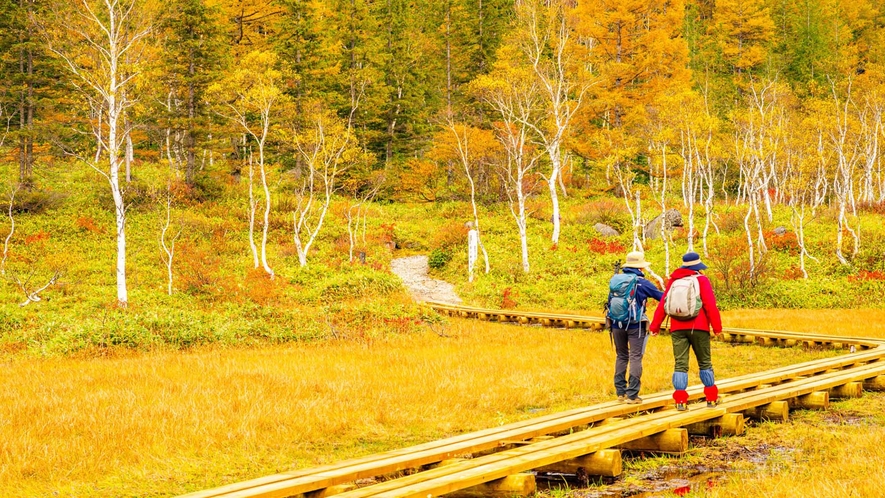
308 110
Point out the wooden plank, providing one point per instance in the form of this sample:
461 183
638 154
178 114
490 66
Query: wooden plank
306 480
383 464
527 457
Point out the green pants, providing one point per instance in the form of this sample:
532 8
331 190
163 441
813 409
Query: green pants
699 341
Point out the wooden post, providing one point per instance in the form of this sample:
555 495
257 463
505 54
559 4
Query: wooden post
668 441
730 424
776 411
875 384
818 400
507 487
849 390
606 463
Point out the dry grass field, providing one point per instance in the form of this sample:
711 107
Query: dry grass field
167 423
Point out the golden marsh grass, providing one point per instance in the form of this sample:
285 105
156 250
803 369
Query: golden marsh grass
162 424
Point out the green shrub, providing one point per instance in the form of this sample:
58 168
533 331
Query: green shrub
439 258
38 201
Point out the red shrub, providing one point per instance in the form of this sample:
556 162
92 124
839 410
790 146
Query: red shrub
865 275
508 299
37 238
793 273
261 289
88 224
787 242
600 246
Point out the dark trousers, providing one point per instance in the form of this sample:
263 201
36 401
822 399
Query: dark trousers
629 346
696 340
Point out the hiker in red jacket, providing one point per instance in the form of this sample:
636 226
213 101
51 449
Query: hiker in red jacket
691 333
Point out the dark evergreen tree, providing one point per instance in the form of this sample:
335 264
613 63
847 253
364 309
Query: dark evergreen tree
193 54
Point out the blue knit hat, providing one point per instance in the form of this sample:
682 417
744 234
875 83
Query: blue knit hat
692 261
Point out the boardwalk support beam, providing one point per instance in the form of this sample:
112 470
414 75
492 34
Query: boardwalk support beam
606 463
849 390
818 400
776 411
875 384
668 441
730 424
522 484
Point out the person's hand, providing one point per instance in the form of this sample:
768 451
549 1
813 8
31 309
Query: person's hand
654 332
717 332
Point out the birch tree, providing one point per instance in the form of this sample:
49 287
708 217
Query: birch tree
462 145
100 43
513 95
167 244
12 193
356 213
327 148
844 139
546 40
758 140
803 176
251 96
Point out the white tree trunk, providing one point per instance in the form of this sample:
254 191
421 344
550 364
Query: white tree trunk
750 249
168 249
253 204
523 234
266 225
110 30
114 177
11 231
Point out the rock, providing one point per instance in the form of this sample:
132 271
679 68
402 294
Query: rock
780 231
605 230
672 217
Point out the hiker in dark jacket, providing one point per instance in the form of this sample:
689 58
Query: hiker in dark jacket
693 333
630 338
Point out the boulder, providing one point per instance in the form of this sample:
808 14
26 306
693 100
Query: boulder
672 218
780 231
605 230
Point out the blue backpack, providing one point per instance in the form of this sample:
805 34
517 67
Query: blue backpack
622 308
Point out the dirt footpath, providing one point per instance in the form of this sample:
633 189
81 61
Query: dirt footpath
413 272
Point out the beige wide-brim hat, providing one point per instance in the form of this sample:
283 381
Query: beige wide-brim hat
636 259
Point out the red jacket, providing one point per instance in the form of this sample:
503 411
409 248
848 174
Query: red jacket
708 317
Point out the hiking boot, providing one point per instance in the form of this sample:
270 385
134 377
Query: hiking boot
622 397
633 401
681 407
712 404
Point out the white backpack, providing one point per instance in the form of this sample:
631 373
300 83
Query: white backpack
683 301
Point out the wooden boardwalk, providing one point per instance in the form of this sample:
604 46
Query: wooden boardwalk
561 439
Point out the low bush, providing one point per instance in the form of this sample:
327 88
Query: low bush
439 258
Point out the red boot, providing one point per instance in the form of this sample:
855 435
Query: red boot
712 395
681 398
